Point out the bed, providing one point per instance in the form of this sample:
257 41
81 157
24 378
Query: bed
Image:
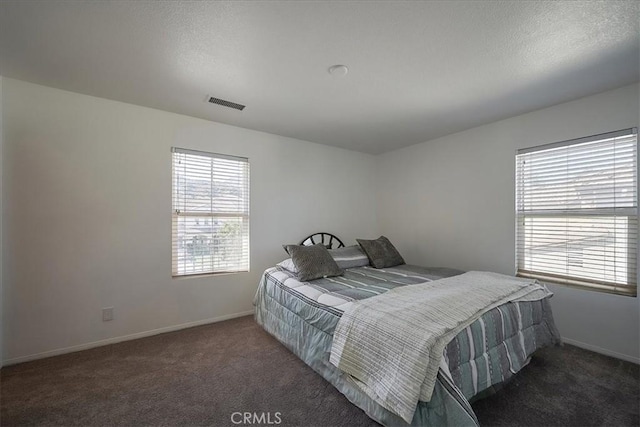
303 315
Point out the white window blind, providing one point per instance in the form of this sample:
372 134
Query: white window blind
577 212
210 218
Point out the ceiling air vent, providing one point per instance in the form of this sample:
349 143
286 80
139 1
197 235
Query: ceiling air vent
224 103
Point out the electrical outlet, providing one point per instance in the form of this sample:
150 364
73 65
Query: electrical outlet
107 314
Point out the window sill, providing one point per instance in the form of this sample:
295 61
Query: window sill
627 291
196 275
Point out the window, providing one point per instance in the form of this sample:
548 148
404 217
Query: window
210 219
577 212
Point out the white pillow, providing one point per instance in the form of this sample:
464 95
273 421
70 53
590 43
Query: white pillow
288 265
349 257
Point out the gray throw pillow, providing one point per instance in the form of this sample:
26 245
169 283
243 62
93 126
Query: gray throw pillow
381 252
349 257
313 262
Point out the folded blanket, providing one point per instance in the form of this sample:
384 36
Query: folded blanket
392 344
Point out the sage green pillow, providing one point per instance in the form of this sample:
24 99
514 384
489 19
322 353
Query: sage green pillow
381 252
313 262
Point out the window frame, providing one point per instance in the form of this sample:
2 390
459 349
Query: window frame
630 212
176 213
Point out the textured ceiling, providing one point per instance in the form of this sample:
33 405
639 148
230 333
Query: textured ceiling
418 70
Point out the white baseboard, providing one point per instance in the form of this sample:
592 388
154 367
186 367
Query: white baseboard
152 332
115 340
601 350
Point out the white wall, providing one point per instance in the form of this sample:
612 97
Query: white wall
1 168
451 202
87 215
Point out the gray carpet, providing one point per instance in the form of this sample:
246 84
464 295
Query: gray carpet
202 375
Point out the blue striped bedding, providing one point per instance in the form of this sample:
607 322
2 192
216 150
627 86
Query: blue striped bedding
303 316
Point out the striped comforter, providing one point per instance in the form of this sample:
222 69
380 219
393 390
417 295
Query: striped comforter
393 344
489 351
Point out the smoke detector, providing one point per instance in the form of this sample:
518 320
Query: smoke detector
338 70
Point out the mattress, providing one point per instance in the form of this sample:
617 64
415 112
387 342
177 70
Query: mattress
303 316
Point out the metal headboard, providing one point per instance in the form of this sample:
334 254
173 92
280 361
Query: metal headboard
327 239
